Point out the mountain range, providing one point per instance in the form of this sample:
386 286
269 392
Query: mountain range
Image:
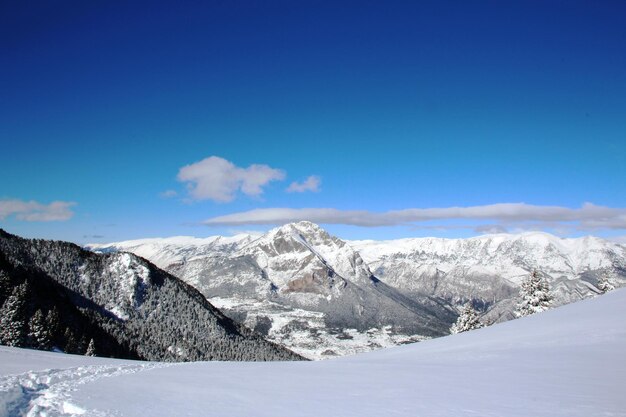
322 296
57 295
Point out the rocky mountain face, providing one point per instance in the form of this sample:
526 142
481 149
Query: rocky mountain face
115 304
322 296
487 270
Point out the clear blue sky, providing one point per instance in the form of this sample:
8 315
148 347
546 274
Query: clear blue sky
393 105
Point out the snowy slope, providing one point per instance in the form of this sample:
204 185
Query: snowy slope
564 362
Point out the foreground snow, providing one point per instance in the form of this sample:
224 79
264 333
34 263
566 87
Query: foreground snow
564 362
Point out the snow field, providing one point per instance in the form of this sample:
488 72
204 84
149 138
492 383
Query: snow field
48 392
564 362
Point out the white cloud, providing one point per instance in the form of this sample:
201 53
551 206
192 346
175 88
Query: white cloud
217 179
32 211
490 229
312 183
168 194
286 215
587 217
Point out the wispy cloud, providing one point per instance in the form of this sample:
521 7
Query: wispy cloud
587 217
490 229
168 194
33 211
218 179
93 236
312 183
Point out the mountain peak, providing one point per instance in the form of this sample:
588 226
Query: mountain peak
303 226
309 231
300 239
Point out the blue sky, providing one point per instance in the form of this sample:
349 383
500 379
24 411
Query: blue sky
390 105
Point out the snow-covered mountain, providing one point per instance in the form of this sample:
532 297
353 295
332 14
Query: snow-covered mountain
180 249
124 304
320 295
302 287
488 269
565 362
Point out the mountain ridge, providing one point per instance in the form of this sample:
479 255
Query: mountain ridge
305 287
154 314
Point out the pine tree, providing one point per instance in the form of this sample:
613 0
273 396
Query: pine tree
604 285
53 321
468 320
39 333
91 349
12 318
71 345
535 296
53 324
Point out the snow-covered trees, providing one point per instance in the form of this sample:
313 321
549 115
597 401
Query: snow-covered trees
53 321
535 296
468 320
604 284
91 349
47 302
12 323
38 331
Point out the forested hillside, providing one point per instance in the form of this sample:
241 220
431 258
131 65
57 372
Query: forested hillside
55 294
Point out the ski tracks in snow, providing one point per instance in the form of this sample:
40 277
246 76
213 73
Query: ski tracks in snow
48 392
